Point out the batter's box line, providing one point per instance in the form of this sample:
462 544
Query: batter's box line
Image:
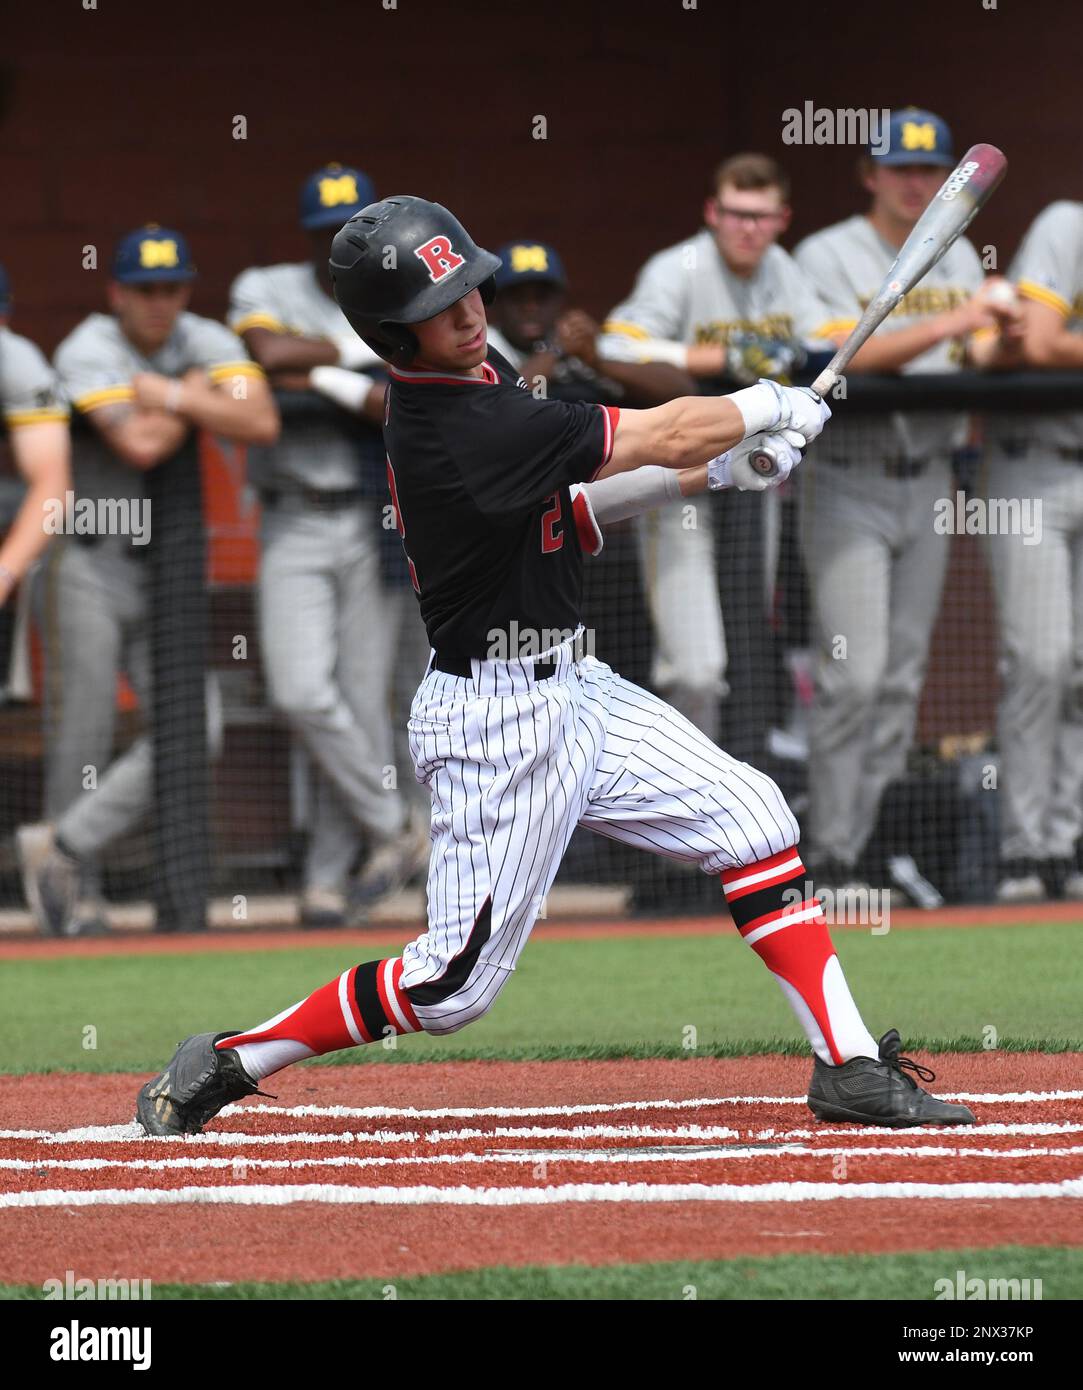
410 1112
330 1194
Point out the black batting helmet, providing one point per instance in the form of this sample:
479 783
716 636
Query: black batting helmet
400 261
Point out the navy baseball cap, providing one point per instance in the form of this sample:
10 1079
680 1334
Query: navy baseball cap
152 254
917 137
332 195
523 261
5 292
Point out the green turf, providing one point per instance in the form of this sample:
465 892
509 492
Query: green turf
607 996
895 1276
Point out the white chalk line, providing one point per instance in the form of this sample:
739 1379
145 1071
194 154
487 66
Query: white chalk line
279 1195
1037 1127
131 1133
410 1112
207 1163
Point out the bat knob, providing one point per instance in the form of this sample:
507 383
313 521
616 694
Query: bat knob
764 463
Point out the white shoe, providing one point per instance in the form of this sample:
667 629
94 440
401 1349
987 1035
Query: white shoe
50 878
1027 889
391 865
1073 885
322 907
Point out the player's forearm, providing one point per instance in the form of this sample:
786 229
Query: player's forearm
148 436
887 352
289 352
28 536
1059 349
692 429
251 419
648 383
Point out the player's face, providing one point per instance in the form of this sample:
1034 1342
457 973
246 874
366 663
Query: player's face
147 313
527 313
455 339
745 222
901 192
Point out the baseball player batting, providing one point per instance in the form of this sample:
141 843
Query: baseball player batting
518 751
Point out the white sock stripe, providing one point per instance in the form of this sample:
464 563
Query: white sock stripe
791 866
388 970
785 920
344 1005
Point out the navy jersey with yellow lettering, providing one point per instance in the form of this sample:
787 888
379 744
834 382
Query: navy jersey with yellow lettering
479 471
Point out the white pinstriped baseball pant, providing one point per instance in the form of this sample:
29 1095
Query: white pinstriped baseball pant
513 766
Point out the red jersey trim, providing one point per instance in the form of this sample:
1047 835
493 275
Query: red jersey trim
610 420
424 378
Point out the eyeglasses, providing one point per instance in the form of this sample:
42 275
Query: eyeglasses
756 218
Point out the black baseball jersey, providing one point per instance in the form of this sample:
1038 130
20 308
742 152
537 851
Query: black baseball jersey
479 471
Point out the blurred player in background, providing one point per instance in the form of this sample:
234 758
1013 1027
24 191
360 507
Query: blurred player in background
550 343
35 423
728 303
1038 576
143 375
329 623
875 562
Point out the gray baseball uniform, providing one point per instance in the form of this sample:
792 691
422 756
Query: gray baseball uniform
28 385
1039 586
329 628
92 589
687 294
875 563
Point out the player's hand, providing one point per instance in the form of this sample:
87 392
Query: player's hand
769 406
152 391
577 336
751 357
705 359
733 468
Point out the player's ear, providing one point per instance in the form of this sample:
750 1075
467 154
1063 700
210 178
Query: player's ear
866 174
785 216
710 211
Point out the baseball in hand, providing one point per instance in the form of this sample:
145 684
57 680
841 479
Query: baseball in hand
1002 293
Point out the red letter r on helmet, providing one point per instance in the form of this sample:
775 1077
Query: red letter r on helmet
439 258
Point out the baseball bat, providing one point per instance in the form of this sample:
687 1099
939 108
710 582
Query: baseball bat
967 189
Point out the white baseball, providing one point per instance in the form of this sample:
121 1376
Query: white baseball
1002 292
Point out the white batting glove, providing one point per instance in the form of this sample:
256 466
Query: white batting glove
733 469
769 406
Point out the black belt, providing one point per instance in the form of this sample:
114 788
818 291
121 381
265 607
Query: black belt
895 467
137 552
326 501
461 666
1018 448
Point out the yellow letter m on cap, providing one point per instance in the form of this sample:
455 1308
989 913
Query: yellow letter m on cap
525 258
918 135
153 254
336 191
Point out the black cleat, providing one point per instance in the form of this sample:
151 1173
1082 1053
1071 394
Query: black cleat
880 1092
195 1085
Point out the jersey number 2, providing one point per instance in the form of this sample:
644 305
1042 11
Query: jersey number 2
552 539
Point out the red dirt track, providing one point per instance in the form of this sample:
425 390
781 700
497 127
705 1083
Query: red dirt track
622 1142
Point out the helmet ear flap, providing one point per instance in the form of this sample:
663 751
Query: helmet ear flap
487 289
